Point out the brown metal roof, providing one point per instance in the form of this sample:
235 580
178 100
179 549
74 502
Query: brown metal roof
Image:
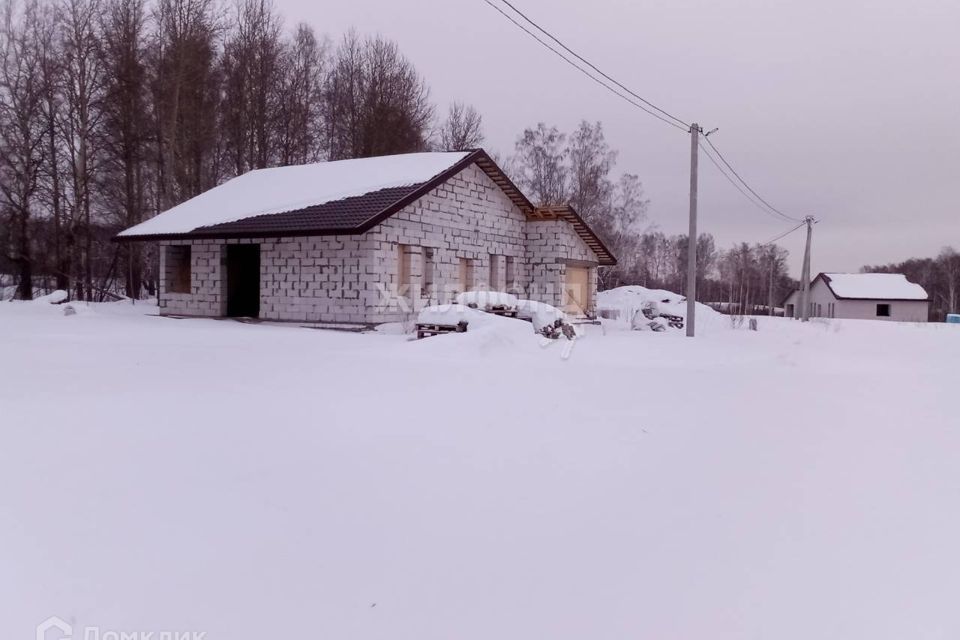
339 216
358 214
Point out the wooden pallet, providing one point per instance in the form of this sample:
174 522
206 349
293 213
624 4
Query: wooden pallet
674 321
427 330
590 321
497 310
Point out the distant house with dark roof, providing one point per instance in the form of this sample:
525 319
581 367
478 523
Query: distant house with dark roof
367 241
862 296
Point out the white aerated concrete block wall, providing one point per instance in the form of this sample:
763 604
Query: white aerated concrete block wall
467 217
551 245
308 279
317 279
207 295
355 278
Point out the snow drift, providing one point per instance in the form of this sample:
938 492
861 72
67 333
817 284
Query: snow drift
620 305
486 332
54 297
487 299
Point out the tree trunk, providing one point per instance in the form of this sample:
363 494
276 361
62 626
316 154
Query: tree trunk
770 294
60 264
24 261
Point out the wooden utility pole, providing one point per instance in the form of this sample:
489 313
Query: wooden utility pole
805 275
692 236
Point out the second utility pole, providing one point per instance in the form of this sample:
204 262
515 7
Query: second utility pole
805 274
692 236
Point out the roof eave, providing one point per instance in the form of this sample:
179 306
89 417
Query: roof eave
236 235
927 299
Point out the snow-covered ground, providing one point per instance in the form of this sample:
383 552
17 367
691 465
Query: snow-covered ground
263 481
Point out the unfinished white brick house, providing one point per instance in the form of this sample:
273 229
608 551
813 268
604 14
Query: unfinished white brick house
368 241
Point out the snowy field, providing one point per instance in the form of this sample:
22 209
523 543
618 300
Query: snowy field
261 482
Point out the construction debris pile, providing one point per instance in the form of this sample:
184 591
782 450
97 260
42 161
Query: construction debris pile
547 321
641 309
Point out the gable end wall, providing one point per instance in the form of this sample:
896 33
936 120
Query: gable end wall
551 246
466 217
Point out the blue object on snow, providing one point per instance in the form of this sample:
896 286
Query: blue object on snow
953 318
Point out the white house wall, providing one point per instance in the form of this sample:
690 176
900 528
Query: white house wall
821 297
792 299
900 311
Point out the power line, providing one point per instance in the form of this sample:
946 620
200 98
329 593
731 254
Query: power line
585 72
749 188
785 233
593 66
755 198
771 213
664 116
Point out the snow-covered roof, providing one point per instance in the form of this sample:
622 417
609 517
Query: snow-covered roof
283 189
332 198
873 286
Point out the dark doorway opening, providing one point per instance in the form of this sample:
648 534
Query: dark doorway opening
243 280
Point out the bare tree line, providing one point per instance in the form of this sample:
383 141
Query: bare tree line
743 279
114 110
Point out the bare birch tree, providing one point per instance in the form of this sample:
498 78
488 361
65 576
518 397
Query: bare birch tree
125 134
949 263
462 130
251 85
51 77
591 160
299 109
185 97
375 101
539 165
22 132
83 82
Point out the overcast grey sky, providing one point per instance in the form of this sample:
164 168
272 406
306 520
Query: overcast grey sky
843 109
